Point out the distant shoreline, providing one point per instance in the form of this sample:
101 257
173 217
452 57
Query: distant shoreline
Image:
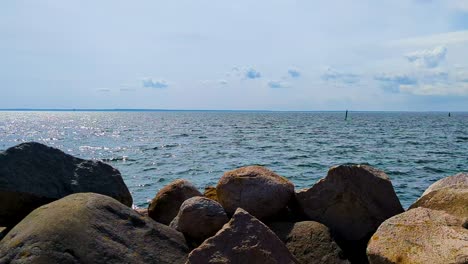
211 110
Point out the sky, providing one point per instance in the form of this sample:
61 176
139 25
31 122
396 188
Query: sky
396 55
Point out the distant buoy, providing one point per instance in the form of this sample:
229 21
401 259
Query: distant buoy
346 115
450 114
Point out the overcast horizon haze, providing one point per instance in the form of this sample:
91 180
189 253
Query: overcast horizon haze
285 55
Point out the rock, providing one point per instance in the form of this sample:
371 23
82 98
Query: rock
199 218
91 228
310 242
210 193
32 174
3 231
451 200
244 239
165 206
353 200
420 235
456 181
142 211
256 189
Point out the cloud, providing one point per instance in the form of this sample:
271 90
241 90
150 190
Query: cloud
214 82
277 84
425 83
337 76
157 84
251 73
429 58
103 90
127 89
294 73
455 37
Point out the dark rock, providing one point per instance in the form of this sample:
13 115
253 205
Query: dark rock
91 228
32 174
352 201
256 189
244 239
310 242
3 232
165 206
420 235
199 218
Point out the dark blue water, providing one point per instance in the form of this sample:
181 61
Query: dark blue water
153 148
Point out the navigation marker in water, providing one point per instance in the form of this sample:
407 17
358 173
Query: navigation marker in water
346 116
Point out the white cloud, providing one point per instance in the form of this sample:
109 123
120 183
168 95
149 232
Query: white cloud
294 73
278 84
103 90
440 89
332 74
444 39
157 84
429 58
251 73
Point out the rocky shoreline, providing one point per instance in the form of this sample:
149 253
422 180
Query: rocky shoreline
56 208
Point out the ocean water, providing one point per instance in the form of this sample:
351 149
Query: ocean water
153 148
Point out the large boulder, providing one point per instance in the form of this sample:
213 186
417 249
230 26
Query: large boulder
452 201
457 181
32 174
449 194
420 235
256 189
165 205
199 218
352 200
244 239
91 228
310 242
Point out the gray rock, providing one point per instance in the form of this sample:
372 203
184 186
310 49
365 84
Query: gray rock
91 228
353 200
420 235
165 205
310 242
450 200
256 189
199 218
456 181
244 239
32 174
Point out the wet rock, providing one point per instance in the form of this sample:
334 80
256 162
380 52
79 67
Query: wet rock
353 200
210 192
420 235
165 206
244 239
199 218
457 181
310 242
256 189
91 228
32 174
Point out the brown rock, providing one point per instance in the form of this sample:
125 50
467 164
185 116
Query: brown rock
142 211
310 242
353 200
32 174
165 206
420 235
199 218
244 239
256 189
210 192
91 228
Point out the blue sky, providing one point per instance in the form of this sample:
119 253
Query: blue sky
272 55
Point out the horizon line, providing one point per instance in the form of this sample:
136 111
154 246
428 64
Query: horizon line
200 110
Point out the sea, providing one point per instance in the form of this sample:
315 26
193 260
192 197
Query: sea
153 148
